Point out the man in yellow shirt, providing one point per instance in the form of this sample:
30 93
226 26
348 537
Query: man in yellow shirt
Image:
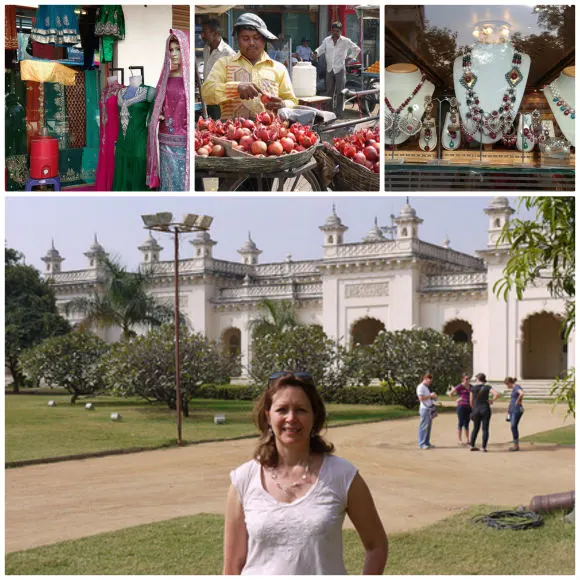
238 82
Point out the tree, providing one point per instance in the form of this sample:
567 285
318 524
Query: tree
30 311
439 48
278 316
402 357
72 361
543 249
145 366
124 302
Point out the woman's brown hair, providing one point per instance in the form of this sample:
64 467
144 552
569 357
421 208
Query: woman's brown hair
266 452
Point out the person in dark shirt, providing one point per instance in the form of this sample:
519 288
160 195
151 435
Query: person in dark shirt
481 410
515 410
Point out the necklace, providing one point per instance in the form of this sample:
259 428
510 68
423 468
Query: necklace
290 488
560 102
395 124
499 120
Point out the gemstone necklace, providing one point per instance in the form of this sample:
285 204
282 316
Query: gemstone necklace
499 120
560 102
395 124
288 490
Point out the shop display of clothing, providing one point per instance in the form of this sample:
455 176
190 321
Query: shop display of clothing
10 32
55 117
15 126
34 98
109 131
170 133
110 26
76 112
56 24
131 151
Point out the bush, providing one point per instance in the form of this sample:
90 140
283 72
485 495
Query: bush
351 395
402 358
145 366
228 392
72 361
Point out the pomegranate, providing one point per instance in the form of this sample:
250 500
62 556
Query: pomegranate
246 141
259 147
287 144
218 151
203 151
275 148
359 157
370 153
350 151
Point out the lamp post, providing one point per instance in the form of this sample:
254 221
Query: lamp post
163 222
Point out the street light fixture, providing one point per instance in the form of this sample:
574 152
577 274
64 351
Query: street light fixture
163 222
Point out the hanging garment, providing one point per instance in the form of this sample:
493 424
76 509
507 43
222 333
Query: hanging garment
15 115
45 71
34 98
108 135
131 150
48 51
76 112
110 26
57 25
55 113
91 151
172 102
10 33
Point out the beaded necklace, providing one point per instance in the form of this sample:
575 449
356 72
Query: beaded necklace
394 124
288 490
499 120
560 102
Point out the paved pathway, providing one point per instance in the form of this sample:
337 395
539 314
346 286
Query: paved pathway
46 504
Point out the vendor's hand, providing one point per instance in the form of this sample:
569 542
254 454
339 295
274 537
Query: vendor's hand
248 91
274 103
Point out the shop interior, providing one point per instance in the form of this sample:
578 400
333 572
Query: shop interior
486 91
55 85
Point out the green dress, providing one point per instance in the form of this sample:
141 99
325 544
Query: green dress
110 26
131 148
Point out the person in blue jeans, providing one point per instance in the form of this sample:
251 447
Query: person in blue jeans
463 390
515 410
426 408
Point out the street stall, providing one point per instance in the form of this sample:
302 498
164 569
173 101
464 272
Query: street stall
263 137
479 99
97 97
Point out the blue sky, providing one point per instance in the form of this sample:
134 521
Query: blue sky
279 225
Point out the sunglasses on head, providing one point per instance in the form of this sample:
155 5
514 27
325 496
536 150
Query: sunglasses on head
307 377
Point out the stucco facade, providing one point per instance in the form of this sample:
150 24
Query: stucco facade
357 289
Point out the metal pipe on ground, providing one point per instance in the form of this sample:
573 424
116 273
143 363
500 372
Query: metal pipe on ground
552 502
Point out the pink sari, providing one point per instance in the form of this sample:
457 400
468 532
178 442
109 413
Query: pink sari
182 37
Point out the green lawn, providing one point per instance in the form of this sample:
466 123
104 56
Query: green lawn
193 545
562 436
33 430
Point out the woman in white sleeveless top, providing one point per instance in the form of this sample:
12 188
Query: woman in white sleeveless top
286 507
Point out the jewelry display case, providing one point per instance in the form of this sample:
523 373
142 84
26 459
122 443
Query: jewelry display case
479 98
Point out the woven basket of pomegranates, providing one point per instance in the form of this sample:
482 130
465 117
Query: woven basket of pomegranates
352 176
263 146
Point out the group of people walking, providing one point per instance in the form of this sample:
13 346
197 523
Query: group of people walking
473 405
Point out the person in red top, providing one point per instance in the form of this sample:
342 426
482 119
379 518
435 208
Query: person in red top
463 389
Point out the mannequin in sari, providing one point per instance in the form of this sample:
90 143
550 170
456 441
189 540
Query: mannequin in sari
169 120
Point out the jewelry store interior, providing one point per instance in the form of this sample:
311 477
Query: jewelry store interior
480 98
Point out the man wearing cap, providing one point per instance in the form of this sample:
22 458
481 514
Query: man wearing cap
237 82
304 52
338 50
214 49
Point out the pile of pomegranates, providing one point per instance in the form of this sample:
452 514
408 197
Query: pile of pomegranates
267 136
362 147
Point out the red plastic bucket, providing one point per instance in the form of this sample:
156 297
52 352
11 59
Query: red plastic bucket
43 157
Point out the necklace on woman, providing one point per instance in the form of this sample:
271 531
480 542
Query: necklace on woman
394 124
499 120
560 102
288 490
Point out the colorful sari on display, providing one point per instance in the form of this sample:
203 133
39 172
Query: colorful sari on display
56 24
169 134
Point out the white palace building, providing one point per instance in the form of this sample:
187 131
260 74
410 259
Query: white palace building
357 289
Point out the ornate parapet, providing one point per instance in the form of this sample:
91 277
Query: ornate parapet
455 282
285 291
288 268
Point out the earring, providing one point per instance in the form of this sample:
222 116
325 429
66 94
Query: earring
452 137
270 431
428 135
509 139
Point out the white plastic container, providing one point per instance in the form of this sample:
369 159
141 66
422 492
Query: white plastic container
304 79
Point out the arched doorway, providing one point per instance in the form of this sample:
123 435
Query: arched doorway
365 330
461 331
544 351
232 345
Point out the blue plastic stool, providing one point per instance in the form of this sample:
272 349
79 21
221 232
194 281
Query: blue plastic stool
54 181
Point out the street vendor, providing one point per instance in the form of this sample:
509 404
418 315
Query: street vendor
250 81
